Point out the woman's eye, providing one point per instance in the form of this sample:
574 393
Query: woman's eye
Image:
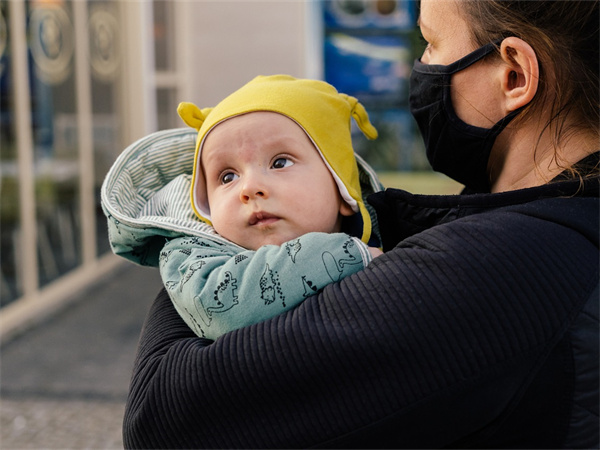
280 163
228 177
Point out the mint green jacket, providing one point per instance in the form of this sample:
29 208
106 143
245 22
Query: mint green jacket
215 285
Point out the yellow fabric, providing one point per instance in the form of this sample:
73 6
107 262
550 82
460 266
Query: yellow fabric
316 106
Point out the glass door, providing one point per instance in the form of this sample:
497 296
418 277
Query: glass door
70 73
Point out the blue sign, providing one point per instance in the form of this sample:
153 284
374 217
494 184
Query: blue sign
367 66
379 14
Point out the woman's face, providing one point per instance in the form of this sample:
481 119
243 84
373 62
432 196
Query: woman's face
475 89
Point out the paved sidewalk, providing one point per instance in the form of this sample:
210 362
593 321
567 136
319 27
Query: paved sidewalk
64 383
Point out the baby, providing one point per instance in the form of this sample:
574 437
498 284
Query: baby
274 173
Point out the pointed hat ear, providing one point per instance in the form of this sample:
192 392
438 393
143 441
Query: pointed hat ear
361 117
192 115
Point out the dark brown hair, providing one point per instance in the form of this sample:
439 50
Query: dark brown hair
564 36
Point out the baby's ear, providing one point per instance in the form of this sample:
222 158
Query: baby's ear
192 115
345 209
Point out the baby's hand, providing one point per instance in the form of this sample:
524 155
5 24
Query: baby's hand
375 252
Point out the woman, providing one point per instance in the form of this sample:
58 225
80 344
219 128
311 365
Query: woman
478 327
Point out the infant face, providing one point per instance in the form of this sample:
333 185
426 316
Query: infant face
267 183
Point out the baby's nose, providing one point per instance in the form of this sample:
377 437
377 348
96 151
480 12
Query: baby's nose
253 188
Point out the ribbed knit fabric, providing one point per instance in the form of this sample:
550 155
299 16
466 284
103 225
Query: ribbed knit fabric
443 341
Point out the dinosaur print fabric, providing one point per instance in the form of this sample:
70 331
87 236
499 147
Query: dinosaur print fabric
216 289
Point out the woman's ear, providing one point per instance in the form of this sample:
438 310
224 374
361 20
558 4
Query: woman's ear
520 73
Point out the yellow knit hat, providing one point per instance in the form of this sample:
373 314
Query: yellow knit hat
316 106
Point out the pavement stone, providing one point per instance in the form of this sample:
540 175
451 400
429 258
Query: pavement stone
60 424
63 384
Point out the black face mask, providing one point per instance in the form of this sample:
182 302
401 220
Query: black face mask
453 147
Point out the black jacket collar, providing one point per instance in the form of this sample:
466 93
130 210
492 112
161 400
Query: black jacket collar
401 214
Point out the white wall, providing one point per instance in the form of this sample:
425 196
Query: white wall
233 41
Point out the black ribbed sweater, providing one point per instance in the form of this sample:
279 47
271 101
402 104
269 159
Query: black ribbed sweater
478 327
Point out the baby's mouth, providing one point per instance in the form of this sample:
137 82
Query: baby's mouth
262 218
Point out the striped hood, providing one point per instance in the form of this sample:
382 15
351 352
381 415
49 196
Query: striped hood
145 196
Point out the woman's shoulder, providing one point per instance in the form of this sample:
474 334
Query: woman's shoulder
572 204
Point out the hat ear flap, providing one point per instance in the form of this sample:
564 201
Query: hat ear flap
192 115
361 117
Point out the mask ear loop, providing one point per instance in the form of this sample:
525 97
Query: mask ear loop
460 64
359 113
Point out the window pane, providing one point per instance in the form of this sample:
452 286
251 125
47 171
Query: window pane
106 70
10 287
166 103
164 32
54 121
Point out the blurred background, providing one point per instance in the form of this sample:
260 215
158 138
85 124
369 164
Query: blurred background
82 79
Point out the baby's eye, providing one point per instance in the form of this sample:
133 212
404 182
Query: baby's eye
228 177
280 163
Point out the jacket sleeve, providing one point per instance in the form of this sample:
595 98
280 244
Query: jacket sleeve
434 342
217 290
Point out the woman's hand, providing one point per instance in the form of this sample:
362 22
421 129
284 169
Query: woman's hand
375 252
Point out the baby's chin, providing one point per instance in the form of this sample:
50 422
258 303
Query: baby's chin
255 238
269 239
253 241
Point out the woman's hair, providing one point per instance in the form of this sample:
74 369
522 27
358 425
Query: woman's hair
564 36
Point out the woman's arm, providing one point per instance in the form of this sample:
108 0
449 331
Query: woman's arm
428 345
